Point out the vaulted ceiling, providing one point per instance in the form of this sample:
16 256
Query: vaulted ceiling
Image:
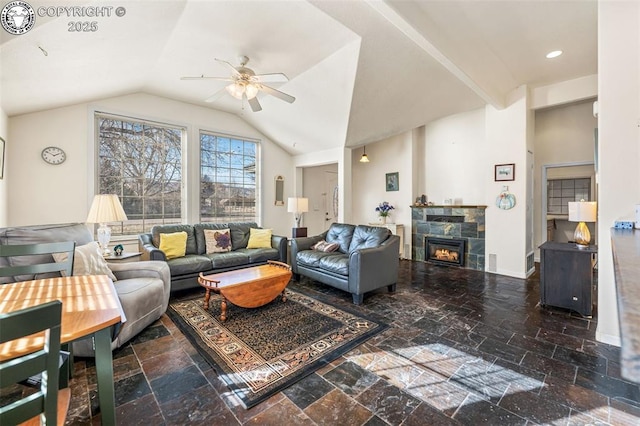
360 70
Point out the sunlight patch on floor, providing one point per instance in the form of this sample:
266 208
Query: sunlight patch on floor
444 376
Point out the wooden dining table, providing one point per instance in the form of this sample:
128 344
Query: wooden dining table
90 307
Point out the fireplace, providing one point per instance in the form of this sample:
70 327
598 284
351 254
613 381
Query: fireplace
445 251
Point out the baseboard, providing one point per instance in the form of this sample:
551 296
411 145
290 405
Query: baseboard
608 339
508 273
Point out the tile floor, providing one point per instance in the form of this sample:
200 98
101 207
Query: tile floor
464 347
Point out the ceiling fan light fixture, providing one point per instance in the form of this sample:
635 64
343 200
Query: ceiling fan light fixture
251 90
236 90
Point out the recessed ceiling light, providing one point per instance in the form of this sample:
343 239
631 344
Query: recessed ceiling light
554 54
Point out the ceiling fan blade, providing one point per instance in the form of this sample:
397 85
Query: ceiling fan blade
233 69
272 78
278 94
202 77
254 104
216 95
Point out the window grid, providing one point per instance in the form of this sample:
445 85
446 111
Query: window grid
141 162
561 191
227 179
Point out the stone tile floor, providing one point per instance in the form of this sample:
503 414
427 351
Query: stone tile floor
464 347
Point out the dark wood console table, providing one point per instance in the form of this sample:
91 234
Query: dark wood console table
566 276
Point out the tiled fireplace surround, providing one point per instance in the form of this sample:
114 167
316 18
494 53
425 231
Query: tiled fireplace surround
471 230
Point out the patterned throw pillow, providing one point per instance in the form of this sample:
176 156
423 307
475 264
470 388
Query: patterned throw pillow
174 244
87 260
324 246
217 240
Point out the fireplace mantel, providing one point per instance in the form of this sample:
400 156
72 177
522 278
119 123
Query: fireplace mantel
447 206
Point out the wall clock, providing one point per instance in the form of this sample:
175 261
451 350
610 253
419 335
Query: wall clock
54 155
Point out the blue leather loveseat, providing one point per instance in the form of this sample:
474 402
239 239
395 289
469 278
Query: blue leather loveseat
366 259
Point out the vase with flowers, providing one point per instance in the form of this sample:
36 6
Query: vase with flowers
384 210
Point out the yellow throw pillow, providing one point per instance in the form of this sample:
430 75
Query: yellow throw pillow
173 245
259 238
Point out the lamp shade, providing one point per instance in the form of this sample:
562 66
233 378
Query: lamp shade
297 205
583 211
365 157
106 208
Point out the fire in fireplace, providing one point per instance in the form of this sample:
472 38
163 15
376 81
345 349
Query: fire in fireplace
445 251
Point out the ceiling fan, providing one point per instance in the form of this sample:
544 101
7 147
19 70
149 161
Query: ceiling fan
245 84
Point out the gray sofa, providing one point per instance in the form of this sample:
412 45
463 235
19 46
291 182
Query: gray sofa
143 287
367 259
185 270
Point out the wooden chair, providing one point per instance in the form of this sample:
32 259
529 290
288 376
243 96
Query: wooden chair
43 263
48 405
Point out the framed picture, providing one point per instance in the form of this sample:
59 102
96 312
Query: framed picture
392 183
1 158
505 172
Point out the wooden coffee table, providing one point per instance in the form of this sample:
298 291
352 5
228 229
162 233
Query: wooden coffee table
249 287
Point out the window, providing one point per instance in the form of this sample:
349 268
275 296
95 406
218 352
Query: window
141 162
561 191
227 179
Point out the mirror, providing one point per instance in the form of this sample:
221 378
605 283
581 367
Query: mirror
279 191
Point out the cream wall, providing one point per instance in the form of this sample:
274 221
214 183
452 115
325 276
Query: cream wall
455 159
390 155
618 142
41 193
4 185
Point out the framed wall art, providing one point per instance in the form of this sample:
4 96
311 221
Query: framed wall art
505 172
392 183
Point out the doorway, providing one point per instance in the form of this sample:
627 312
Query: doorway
555 219
320 186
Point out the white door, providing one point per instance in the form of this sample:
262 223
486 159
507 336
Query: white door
330 198
319 183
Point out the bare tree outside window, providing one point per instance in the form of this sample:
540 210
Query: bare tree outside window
227 179
141 162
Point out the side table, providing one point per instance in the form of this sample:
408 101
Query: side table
126 256
566 276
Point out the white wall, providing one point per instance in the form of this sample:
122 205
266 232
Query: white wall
563 134
618 142
507 133
41 193
455 159
4 185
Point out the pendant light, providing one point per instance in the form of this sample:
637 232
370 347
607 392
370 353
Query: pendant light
364 158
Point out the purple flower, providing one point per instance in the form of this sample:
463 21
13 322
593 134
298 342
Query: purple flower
384 208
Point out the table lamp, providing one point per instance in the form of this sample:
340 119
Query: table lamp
298 206
581 212
105 208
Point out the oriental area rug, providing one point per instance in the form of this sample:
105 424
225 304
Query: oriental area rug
261 351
